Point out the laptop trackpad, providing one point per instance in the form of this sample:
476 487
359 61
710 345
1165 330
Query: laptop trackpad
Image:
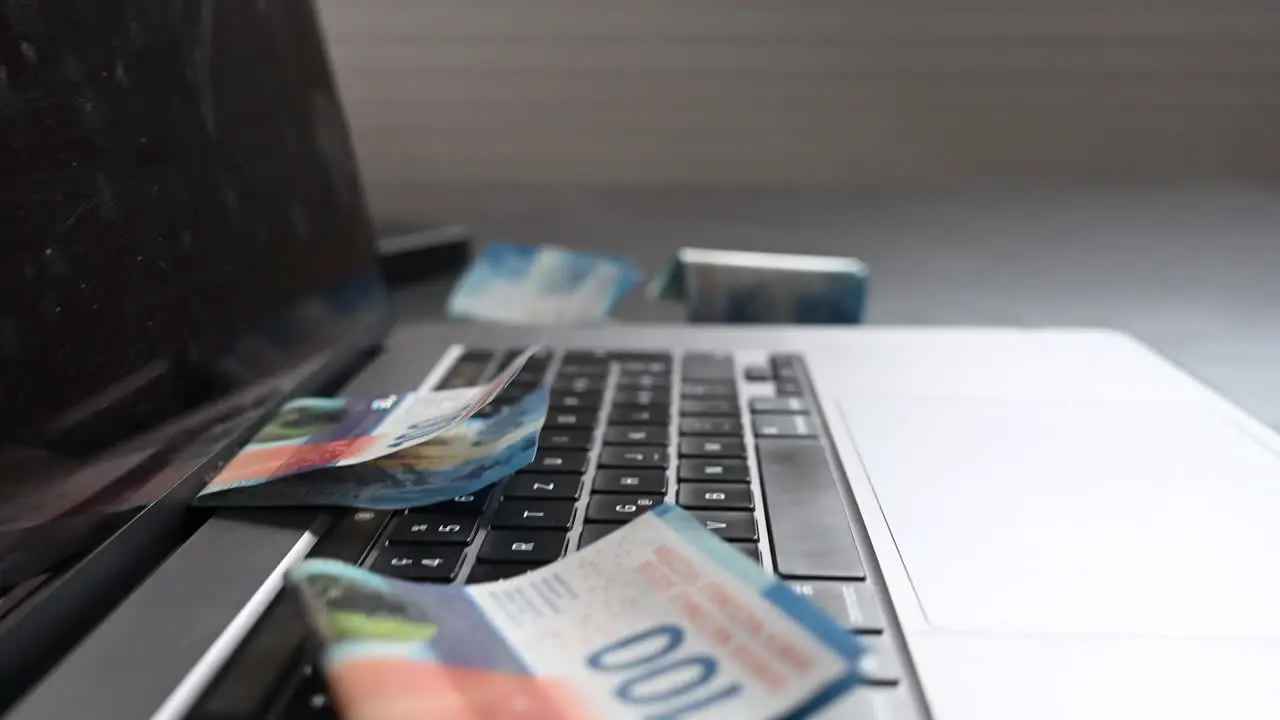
1093 517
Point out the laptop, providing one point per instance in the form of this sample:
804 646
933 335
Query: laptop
1019 523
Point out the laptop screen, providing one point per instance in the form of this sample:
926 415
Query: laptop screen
183 238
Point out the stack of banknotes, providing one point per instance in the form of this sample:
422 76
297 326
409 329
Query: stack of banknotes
391 452
660 619
540 285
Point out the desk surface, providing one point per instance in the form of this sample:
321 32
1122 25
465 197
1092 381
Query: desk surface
1192 271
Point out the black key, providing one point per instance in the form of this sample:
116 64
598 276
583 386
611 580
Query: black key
565 439
707 366
433 528
852 605
643 398
710 426
789 405
636 435
488 572
570 420
435 563
620 508
636 357
545 486
783 426
633 456
631 415
715 447
644 381
751 550
472 504
787 367
708 470
715 496
487 411
728 525
578 383
592 532
806 512
758 373
534 514
468 371
575 401
709 407
583 370
706 389
530 374
600 357
788 388
522 546
645 366
558 461
630 481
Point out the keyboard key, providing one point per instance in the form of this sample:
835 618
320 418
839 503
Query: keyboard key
751 550
644 381
575 401
522 546
715 496
778 405
851 604
879 664
473 504
578 383
717 447
636 435
566 420
489 572
710 426
783 426
642 398
620 508
709 407
534 514
630 481
633 456
714 470
806 511
434 563
575 369
787 367
587 357
758 373
707 366
546 486
558 461
433 528
645 366
565 439
788 387
631 415
706 389
592 532
728 525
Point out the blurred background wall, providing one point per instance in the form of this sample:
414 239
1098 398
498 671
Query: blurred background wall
852 91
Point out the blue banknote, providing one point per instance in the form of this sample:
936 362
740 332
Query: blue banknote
543 284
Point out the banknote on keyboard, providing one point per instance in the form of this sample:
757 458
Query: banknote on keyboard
545 284
660 619
396 451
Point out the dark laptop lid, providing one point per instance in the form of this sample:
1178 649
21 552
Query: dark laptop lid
183 239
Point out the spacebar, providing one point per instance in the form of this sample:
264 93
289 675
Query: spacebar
808 528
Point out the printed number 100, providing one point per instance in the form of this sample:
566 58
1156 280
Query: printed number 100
656 677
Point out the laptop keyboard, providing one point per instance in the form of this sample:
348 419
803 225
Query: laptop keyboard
742 448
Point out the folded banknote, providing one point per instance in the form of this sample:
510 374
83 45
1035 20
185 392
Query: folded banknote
660 619
310 434
544 284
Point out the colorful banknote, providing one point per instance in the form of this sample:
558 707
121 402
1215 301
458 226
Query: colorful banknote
660 619
311 434
544 284
461 460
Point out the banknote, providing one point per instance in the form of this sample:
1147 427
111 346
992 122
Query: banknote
314 433
660 619
461 460
544 284
730 286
